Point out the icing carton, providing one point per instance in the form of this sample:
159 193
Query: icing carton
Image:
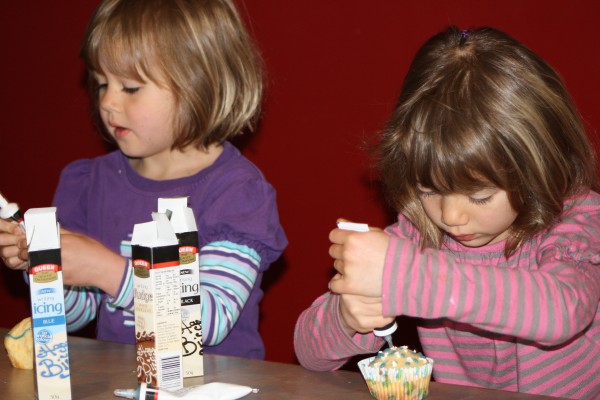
184 224
53 377
157 304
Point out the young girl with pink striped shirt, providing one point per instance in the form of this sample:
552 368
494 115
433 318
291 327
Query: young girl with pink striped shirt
497 245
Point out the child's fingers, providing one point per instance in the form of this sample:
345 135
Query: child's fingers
335 278
338 236
335 284
335 251
340 285
7 226
13 257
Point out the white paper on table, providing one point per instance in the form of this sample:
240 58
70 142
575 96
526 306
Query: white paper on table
213 391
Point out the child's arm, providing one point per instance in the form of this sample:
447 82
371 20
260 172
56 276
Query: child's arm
554 280
548 303
84 261
87 262
88 268
81 306
321 340
240 236
227 275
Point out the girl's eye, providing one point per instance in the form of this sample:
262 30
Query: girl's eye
425 192
100 86
130 90
480 202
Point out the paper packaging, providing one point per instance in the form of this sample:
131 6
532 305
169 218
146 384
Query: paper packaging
156 282
184 224
53 377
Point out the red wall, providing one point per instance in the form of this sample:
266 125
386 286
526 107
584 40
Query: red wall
334 70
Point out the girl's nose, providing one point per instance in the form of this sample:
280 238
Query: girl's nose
453 211
108 100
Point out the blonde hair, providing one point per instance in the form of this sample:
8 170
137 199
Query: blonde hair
479 109
199 49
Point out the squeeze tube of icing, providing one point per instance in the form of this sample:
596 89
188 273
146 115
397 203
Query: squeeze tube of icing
11 211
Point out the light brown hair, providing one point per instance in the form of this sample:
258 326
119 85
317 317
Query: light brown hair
479 109
199 49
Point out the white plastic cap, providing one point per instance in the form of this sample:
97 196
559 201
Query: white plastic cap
127 393
386 330
8 210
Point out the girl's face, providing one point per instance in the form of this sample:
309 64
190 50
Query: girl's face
476 219
138 115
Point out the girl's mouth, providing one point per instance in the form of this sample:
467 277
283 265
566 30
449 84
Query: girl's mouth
463 238
120 132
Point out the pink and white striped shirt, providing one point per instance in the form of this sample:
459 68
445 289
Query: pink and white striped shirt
529 323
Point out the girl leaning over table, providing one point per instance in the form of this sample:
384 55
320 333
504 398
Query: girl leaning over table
497 244
172 83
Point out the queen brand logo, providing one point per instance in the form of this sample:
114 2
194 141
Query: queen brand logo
188 249
45 267
141 268
139 263
44 273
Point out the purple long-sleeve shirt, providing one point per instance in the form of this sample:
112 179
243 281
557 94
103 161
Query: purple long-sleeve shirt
238 230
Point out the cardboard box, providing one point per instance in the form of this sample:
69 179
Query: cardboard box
157 304
184 224
53 377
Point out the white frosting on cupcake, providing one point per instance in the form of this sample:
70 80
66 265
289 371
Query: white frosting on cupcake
398 357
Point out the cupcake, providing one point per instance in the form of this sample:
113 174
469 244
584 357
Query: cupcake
19 345
397 373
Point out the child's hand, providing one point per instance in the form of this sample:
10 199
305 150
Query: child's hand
87 262
359 259
361 314
13 245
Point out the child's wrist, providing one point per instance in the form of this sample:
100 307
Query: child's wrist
343 324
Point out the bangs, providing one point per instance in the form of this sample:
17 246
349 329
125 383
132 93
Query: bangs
450 151
454 137
120 42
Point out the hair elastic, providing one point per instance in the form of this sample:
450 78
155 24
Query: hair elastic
464 35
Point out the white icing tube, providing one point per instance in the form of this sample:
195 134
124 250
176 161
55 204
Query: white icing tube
208 391
353 226
11 211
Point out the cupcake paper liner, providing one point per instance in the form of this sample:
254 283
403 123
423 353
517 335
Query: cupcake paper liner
410 383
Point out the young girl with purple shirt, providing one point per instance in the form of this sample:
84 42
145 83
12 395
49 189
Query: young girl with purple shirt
172 83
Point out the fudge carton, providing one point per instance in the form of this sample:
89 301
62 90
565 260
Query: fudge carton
184 224
53 377
157 304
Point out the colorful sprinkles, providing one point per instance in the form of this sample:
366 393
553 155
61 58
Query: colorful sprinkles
397 373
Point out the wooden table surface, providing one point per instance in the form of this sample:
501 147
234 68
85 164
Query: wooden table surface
98 368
